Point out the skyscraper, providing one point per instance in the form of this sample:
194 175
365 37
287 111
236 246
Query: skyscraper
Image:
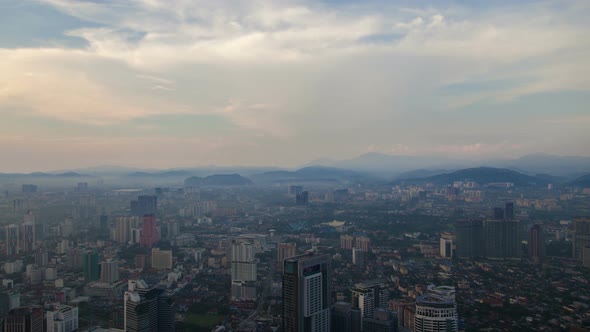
28 237
24 319
369 296
581 237
12 240
147 309
286 250
306 293
502 239
243 271
436 311
509 211
121 230
383 321
149 231
302 198
62 318
90 266
469 239
536 243
145 204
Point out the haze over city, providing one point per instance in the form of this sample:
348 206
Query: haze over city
164 84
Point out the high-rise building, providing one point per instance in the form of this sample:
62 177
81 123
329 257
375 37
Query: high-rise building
62 318
145 204
358 257
12 240
345 318
24 319
109 271
149 231
306 293
536 244
286 250
28 237
502 239
436 311
161 259
122 229
498 213
383 321
302 198
581 237
346 242
90 266
75 259
147 309
29 188
295 190
362 242
243 270
469 239
369 296
447 245
509 211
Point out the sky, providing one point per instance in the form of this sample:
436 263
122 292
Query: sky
182 83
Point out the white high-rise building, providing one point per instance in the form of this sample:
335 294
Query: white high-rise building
436 311
369 296
63 318
243 270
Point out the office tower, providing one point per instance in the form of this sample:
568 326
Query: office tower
369 296
243 271
346 242
62 318
383 321
363 243
12 240
161 259
306 293
447 242
147 309
109 271
24 319
502 240
399 308
302 198
509 211
29 188
41 258
581 237
345 318
294 190
90 266
286 250
536 244
144 205
498 213
136 234
436 311
28 237
8 300
103 222
17 205
469 239
358 257
586 256
149 231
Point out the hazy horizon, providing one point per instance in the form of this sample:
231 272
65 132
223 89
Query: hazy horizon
174 84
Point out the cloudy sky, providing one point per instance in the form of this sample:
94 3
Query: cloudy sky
176 83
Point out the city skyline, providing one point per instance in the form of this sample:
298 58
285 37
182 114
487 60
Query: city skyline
161 84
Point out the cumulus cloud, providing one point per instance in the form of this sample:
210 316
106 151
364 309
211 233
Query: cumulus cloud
280 71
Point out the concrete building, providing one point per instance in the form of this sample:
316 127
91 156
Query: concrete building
243 270
436 311
284 251
62 318
147 309
24 319
306 293
161 259
12 240
109 271
581 237
369 296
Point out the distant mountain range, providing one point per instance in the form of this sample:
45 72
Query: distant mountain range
314 174
482 176
218 180
395 165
